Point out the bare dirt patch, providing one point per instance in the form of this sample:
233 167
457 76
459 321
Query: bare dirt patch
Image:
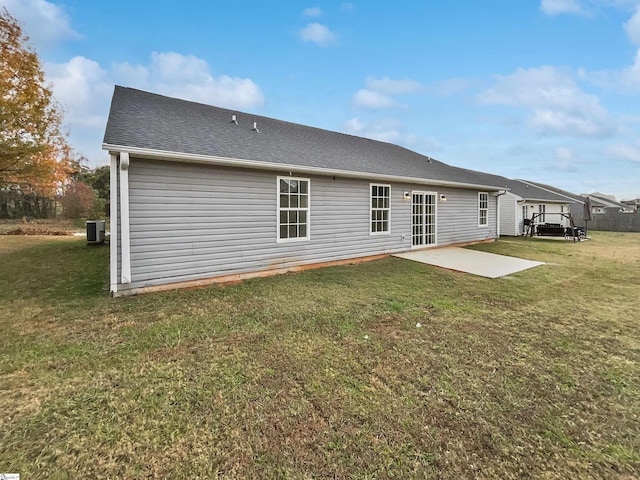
37 231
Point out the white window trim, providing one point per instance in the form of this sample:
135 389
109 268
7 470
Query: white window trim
388 232
308 210
435 225
480 209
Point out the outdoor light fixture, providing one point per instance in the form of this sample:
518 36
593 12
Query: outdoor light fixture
443 197
407 195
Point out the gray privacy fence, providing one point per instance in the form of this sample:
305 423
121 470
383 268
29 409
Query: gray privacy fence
615 222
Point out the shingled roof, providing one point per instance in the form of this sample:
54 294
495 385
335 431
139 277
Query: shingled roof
146 122
523 188
573 196
532 192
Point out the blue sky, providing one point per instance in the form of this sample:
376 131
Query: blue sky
546 90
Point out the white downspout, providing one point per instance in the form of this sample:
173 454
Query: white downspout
124 219
498 214
113 212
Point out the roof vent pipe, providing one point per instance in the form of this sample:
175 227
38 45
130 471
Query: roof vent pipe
255 127
233 119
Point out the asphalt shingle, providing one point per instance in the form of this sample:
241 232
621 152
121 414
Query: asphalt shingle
533 192
145 120
575 197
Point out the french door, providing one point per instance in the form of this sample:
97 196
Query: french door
423 219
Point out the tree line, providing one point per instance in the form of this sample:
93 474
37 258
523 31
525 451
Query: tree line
40 175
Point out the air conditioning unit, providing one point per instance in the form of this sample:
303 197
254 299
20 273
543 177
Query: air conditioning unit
95 232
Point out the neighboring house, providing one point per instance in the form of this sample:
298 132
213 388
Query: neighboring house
576 206
523 201
605 211
201 194
606 204
633 203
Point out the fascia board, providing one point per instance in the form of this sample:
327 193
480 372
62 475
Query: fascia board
242 163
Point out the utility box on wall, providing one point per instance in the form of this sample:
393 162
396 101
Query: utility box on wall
95 232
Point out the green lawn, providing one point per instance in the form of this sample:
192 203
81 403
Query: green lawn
324 374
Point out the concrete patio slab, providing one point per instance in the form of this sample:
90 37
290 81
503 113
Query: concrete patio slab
484 264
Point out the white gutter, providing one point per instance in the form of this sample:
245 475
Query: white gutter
124 219
113 238
236 162
543 200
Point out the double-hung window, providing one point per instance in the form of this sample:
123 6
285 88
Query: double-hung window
483 209
380 208
293 209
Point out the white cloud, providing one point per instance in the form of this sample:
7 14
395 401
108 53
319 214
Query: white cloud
563 153
557 104
555 122
556 7
626 80
632 27
387 130
189 77
629 78
347 7
84 88
584 7
318 34
378 93
44 22
389 86
565 160
373 100
354 126
132 75
312 12
390 130
628 153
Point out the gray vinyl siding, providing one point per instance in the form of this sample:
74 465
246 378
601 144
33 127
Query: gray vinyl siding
194 221
458 217
509 215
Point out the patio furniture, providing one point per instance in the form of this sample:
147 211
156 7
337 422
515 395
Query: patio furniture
575 233
551 230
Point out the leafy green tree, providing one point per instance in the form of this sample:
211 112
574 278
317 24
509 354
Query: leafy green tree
99 180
